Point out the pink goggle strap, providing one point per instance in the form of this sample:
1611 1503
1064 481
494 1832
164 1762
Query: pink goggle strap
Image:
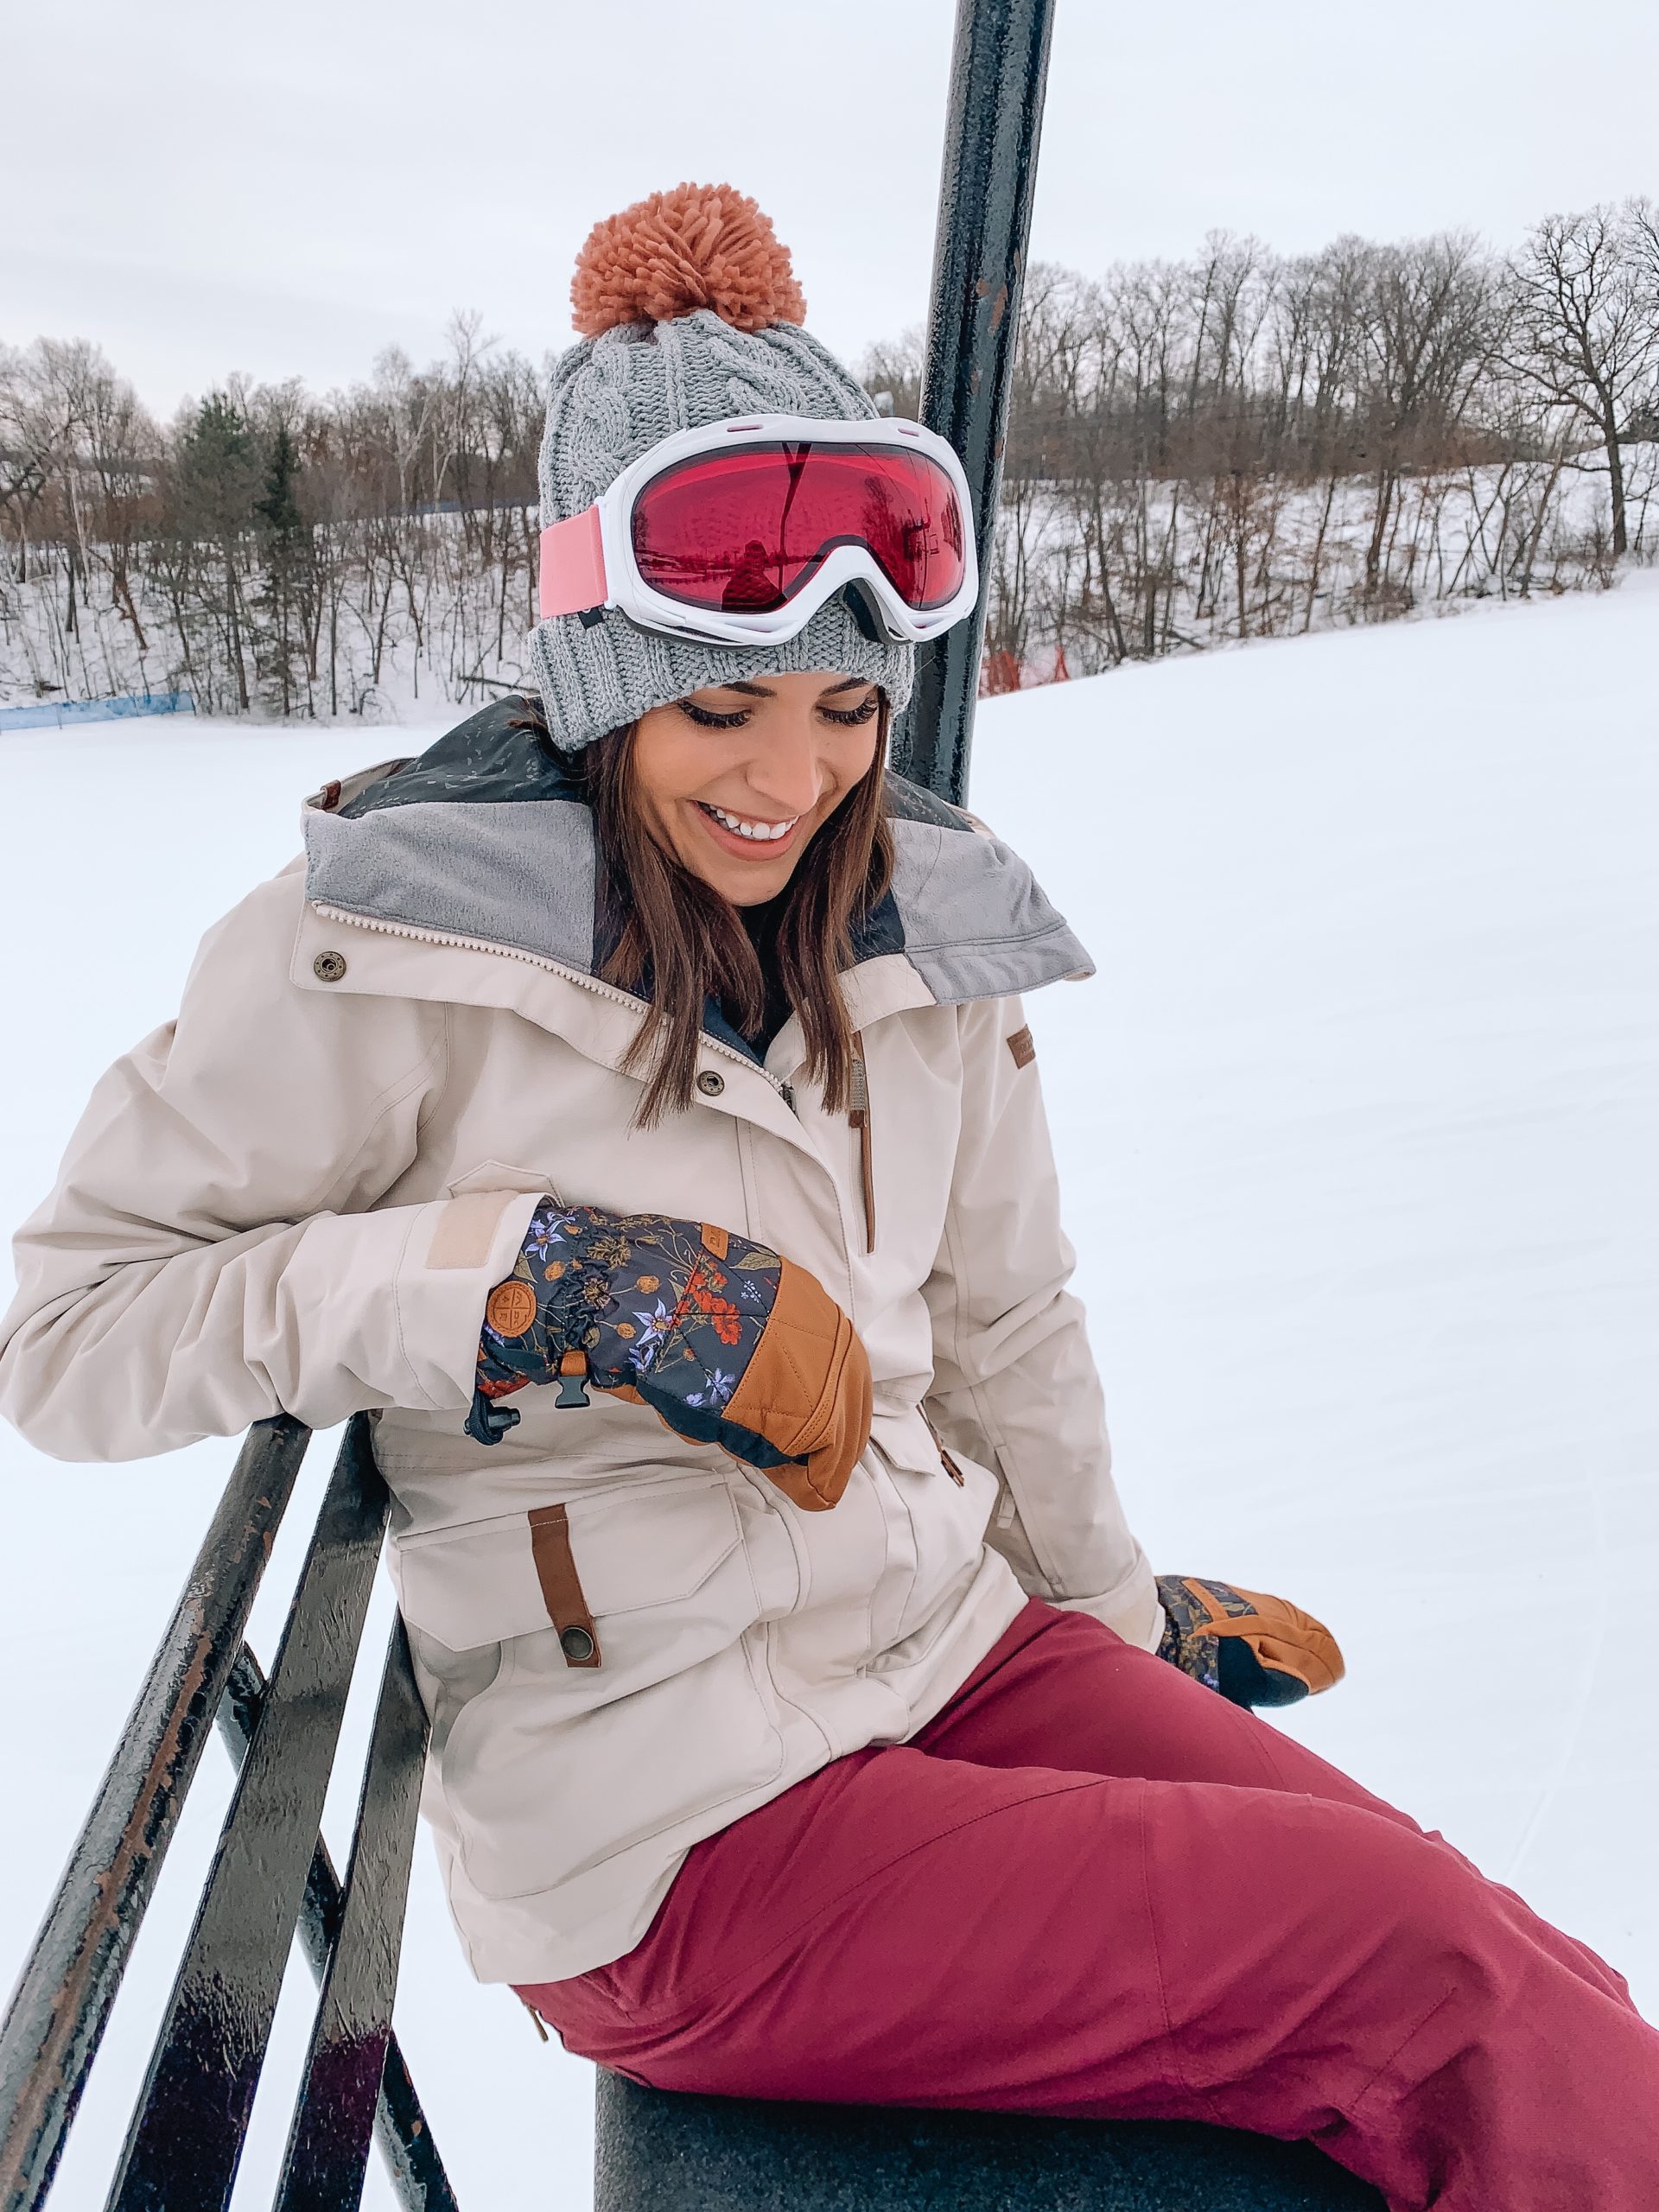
573 566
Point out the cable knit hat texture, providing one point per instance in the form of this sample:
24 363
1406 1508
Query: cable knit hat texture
691 314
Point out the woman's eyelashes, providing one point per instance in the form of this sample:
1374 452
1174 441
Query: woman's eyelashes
850 717
715 718
706 717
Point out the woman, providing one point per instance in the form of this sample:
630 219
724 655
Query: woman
806 1721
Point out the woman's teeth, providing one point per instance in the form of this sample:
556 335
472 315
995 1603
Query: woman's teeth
762 832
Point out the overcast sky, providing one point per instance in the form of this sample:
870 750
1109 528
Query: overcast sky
203 187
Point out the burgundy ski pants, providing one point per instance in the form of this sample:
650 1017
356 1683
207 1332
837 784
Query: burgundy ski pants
1092 1887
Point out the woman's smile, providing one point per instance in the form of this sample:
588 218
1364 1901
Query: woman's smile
748 836
784 749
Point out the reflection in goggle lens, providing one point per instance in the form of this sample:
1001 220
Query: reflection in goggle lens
744 531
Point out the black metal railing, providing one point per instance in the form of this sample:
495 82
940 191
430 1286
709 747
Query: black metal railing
270 1879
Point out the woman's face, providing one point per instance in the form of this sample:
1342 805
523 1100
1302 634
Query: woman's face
738 778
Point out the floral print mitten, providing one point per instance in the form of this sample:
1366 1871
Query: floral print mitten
1255 1651
727 1343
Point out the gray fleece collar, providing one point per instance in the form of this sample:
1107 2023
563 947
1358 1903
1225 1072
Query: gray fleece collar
486 838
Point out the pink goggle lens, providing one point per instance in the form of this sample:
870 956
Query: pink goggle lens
744 531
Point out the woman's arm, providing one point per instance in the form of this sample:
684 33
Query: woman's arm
1014 1382
209 1256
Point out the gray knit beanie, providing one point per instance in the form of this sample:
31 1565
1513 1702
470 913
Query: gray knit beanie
691 315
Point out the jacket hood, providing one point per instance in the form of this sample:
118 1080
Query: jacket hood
488 837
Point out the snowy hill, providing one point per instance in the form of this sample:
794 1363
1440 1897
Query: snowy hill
1357 1125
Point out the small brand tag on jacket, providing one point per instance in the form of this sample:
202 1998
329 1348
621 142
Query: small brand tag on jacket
1022 1048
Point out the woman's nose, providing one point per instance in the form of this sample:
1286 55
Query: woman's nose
788 774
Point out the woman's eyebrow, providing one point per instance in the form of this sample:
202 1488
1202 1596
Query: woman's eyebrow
765 691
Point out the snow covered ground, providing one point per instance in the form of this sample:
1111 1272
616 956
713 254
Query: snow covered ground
1357 1127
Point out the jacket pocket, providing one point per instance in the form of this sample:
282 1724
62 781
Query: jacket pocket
908 1440
636 1547
500 1175
554 1767
903 1438
947 1500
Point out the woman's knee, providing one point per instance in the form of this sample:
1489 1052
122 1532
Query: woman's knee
1278 1916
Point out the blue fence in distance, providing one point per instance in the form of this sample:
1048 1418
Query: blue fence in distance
54 715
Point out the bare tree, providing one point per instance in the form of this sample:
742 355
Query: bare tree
1433 325
1586 301
892 373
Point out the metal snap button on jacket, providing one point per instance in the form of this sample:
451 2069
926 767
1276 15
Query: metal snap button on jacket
576 1644
328 967
709 1084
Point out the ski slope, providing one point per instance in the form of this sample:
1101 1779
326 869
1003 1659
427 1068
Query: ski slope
1357 1124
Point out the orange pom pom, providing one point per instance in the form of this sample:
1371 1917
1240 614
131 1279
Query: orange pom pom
701 246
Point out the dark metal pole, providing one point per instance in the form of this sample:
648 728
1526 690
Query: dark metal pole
998 70
64 1995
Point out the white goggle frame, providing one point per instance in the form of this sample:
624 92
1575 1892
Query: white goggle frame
588 562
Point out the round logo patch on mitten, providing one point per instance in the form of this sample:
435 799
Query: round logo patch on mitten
512 1308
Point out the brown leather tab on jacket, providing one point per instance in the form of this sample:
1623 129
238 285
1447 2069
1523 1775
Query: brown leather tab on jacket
945 1460
1024 1051
555 1570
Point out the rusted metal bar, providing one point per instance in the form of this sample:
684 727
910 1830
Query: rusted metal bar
186 2135
999 73
334 2117
401 2127
59 2010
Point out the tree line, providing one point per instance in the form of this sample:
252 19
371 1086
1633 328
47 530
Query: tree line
270 550
1240 445
1246 445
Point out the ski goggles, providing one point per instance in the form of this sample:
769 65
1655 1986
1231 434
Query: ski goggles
737 533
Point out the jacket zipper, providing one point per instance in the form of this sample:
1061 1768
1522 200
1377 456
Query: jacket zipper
601 989
860 1117
948 1464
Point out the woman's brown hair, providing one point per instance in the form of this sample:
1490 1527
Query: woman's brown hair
678 942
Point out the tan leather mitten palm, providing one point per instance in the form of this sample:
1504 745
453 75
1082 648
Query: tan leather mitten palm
1255 1650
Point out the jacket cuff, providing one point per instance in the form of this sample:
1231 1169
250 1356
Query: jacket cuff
457 1251
1132 1610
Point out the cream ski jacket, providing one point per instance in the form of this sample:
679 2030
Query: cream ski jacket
298 1195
